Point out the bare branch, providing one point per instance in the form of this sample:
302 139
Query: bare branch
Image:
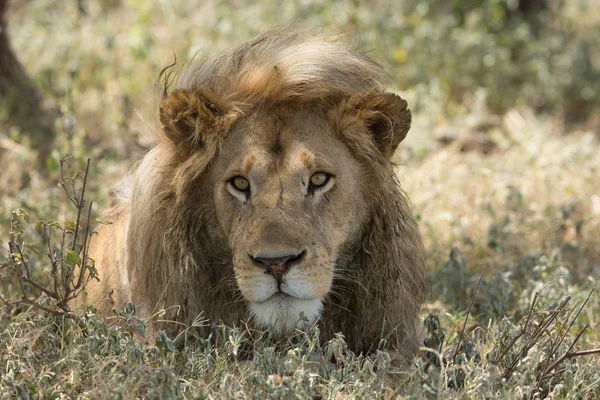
80 203
568 354
573 320
534 338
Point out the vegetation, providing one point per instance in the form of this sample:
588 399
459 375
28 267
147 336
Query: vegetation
502 166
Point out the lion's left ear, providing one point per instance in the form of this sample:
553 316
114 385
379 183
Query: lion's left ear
387 118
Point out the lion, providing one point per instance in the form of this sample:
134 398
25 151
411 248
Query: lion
270 198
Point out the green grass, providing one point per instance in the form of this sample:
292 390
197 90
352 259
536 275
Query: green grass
502 166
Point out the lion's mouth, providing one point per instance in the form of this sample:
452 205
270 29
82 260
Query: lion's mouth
280 295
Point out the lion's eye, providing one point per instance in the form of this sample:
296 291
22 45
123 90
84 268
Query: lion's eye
320 182
239 187
240 184
319 179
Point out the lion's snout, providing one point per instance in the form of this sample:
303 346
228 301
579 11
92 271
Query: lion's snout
277 267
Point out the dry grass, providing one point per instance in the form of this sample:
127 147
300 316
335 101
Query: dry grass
538 189
502 166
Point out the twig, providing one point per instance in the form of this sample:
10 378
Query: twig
573 320
581 353
534 338
554 348
84 250
62 260
36 285
48 237
523 328
568 353
80 204
560 371
462 332
27 300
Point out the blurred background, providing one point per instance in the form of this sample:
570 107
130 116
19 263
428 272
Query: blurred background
502 163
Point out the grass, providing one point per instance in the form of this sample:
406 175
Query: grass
502 166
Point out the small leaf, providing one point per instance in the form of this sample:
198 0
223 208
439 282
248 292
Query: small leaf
66 160
72 257
53 224
70 225
163 342
22 214
79 175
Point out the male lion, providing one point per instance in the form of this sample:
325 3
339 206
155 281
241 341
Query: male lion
271 194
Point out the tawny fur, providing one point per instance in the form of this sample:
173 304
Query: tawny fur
165 248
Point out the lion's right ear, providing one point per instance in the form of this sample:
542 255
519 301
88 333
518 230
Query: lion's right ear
382 117
187 116
387 118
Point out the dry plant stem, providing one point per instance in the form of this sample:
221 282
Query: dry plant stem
523 328
573 321
462 332
521 332
85 247
582 353
80 202
555 373
534 338
543 327
47 233
570 354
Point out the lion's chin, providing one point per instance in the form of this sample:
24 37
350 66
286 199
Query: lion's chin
282 312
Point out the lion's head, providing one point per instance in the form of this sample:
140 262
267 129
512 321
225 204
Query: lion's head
272 179
290 197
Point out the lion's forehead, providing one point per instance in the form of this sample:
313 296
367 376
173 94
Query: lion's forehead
287 142
295 159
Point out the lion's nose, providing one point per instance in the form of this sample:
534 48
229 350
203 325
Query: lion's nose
278 266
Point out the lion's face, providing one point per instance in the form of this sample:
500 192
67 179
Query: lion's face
292 185
288 198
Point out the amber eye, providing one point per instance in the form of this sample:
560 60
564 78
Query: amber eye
240 184
319 179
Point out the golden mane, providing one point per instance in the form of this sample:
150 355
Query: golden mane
280 65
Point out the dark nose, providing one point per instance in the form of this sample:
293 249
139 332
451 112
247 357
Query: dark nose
279 266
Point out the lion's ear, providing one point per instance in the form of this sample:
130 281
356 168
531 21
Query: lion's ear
187 116
387 118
